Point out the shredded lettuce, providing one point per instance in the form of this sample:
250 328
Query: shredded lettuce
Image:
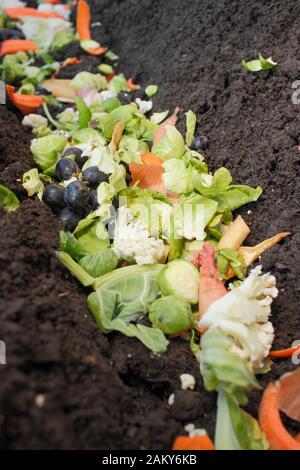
32 183
8 199
191 121
259 64
171 146
151 90
177 177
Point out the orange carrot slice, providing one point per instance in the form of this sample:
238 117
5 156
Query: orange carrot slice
27 104
132 86
98 51
283 395
284 353
71 61
162 130
12 46
193 443
17 13
83 21
149 158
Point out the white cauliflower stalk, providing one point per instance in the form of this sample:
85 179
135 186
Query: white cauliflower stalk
243 315
134 242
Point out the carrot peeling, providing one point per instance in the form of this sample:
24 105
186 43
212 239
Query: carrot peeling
12 46
202 442
83 21
98 51
17 13
27 104
83 27
71 61
281 396
132 86
284 353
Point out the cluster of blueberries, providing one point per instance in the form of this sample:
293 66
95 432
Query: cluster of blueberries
79 197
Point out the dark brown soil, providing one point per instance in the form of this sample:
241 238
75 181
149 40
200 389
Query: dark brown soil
108 391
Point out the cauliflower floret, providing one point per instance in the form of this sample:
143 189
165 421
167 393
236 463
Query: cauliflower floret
35 121
243 315
133 241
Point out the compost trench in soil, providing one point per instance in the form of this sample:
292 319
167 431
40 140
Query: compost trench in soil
108 391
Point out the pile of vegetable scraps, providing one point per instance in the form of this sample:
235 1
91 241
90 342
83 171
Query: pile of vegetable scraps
150 232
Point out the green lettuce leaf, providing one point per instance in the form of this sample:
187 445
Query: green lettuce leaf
151 90
157 118
32 183
177 177
70 245
221 368
236 196
192 214
171 146
46 149
236 429
8 199
211 186
191 121
99 263
259 64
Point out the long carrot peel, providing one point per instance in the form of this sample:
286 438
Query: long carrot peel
71 61
27 104
252 253
285 353
17 13
202 442
162 129
12 46
83 21
284 396
211 287
97 51
83 27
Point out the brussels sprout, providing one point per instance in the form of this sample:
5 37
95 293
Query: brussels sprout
171 314
180 278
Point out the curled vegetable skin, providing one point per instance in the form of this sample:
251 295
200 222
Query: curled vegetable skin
28 104
12 46
283 395
17 13
83 22
284 353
